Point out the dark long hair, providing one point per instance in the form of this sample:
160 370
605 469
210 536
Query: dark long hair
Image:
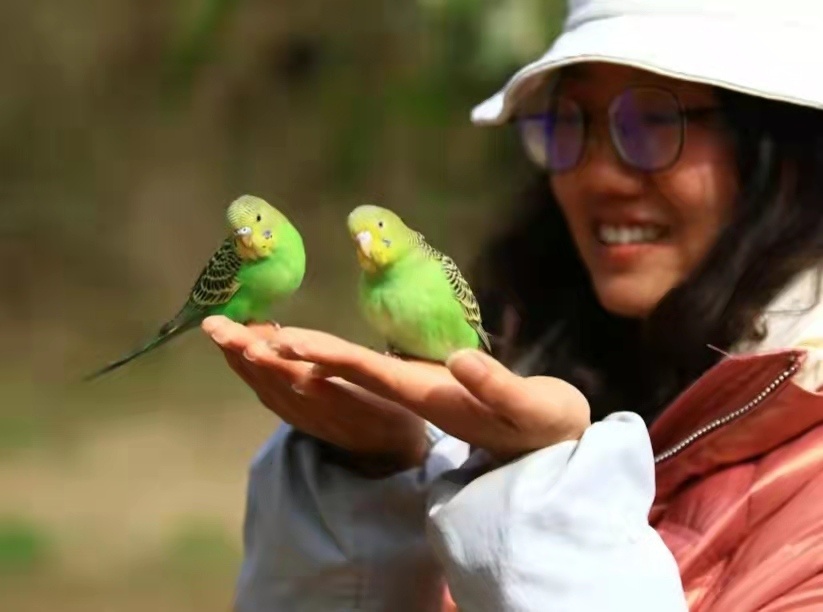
532 270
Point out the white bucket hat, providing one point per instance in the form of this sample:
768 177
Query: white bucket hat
767 48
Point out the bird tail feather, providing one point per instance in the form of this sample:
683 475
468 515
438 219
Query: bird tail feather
172 329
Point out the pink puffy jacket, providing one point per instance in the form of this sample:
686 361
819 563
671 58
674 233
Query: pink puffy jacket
740 486
739 457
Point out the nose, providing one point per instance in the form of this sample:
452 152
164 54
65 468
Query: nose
604 170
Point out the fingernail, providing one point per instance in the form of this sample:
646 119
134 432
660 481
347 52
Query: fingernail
219 338
469 362
209 324
286 349
298 388
320 371
255 351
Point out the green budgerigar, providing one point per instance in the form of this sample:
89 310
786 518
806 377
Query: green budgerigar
261 263
411 293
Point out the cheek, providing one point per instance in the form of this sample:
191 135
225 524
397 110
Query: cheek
568 195
380 254
261 245
701 190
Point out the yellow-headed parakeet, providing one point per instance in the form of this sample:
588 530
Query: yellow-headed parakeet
262 262
411 293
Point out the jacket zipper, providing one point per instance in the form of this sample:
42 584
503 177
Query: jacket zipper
732 416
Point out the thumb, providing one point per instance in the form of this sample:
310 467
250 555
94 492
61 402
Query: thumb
486 378
496 386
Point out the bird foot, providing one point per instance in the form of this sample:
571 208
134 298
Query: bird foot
275 324
397 354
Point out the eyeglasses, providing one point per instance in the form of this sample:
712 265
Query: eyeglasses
646 127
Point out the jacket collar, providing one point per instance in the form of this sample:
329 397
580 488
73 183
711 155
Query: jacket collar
760 395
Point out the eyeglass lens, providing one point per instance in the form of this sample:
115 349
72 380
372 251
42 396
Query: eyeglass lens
645 126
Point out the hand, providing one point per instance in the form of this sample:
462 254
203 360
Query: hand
473 397
379 433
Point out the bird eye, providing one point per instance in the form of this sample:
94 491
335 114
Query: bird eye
380 224
259 217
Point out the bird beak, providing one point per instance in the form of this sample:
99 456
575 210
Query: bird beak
364 240
244 234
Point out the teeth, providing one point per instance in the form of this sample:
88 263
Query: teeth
628 234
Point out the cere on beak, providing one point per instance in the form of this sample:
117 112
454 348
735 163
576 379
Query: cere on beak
364 240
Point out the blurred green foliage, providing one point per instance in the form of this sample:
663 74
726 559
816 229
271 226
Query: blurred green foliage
24 546
199 547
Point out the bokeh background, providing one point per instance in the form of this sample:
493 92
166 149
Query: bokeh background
126 127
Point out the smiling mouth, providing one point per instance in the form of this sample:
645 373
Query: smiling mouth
618 235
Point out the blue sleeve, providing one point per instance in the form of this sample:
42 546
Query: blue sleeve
319 537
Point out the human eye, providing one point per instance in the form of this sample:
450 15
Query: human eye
654 118
564 113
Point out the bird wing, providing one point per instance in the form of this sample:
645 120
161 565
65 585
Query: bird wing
218 282
216 285
460 287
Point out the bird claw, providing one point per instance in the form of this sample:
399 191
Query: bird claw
275 324
393 352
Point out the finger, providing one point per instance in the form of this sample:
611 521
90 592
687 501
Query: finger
261 380
362 366
264 383
280 386
229 335
213 323
407 382
333 352
425 388
277 393
318 347
338 411
263 331
489 380
235 362
521 402
345 389
262 389
437 398
260 356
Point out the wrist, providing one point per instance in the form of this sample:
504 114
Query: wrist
375 464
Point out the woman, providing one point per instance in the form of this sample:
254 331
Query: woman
655 444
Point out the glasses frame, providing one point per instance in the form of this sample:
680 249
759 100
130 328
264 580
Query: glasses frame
683 116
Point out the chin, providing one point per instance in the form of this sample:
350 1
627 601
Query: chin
626 299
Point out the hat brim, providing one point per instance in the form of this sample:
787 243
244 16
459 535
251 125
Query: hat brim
773 61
